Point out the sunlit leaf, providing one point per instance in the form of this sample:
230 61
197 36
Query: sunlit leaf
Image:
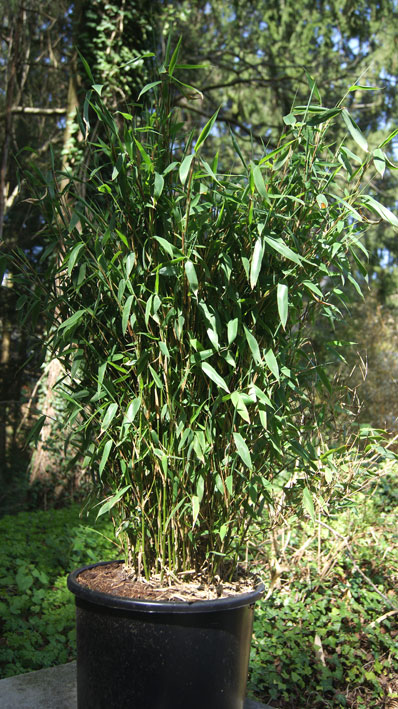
214 376
354 130
185 167
242 449
255 266
272 363
283 305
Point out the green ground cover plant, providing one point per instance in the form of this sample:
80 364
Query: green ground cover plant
327 636
37 615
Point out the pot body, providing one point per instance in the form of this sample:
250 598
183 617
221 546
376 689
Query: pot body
161 655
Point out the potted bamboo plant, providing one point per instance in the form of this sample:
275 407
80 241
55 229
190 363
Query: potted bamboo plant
179 292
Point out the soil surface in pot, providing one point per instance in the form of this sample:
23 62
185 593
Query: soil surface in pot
114 579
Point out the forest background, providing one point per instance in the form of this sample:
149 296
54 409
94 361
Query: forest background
260 57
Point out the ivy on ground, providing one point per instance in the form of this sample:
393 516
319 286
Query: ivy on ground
37 616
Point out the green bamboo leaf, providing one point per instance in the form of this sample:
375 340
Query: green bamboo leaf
214 376
148 87
109 416
168 247
232 330
191 276
242 449
155 377
213 337
113 500
74 319
383 211
174 58
354 130
253 344
105 455
313 288
195 509
130 263
283 303
379 161
132 410
158 186
324 115
354 87
322 201
259 182
272 363
275 152
200 488
256 262
145 156
73 257
240 406
126 312
284 250
389 138
206 130
185 167
308 503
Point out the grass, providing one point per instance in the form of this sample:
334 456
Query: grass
326 636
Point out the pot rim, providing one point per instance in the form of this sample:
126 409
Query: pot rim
119 602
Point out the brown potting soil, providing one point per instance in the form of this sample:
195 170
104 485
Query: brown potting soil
116 580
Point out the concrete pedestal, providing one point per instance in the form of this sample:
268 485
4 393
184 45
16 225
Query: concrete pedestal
53 688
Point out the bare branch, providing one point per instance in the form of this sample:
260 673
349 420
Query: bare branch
36 110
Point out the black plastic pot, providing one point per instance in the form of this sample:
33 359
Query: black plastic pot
161 655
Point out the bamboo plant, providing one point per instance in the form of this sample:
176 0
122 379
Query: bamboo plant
175 291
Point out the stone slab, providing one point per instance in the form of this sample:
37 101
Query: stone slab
53 688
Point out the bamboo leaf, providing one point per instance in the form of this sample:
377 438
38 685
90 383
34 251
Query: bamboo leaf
73 257
174 58
132 411
105 455
126 313
379 161
214 376
259 182
206 130
354 130
257 259
272 363
73 320
185 167
253 344
148 87
383 211
195 509
283 304
109 416
240 406
323 116
242 450
232 330
284 250
112 501
158 186
191 276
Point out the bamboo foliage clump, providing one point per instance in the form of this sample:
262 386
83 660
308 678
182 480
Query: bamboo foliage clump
179 313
